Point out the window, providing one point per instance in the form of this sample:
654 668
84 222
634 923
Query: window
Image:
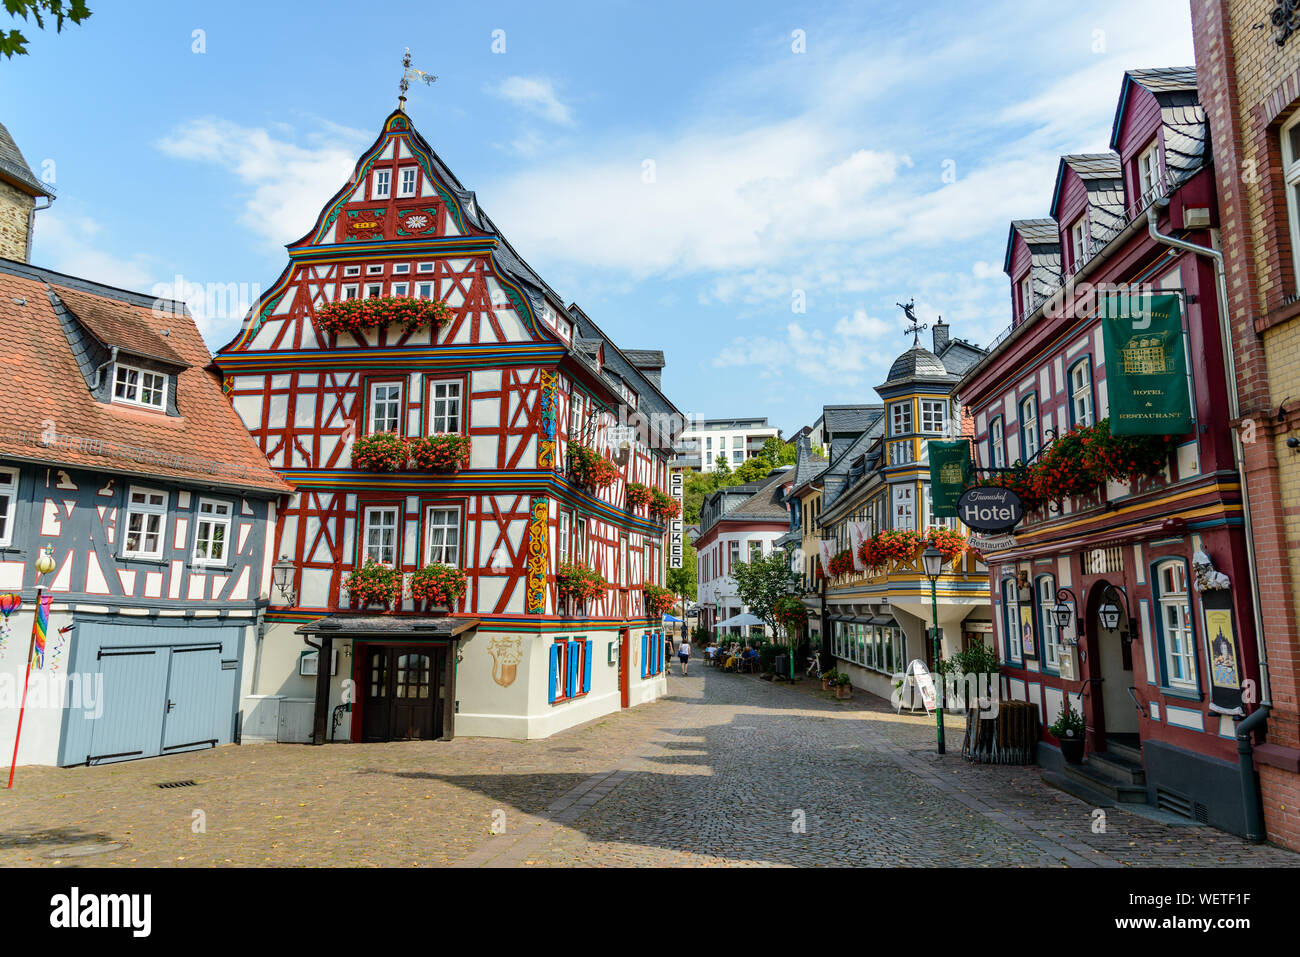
580 542
442 536
1047 622
406 181
146 513
900 453
401 269
381 535
737 456
444 406
1291 178
399 288
733 556
934 416
1176 632
385 407
351 291
1029 426
1081 393
997 444
904 506
424 267
1079 242
374 290
375 269
900 418
424 290
931 520
1011 621
139 387
212 532
8 504
563 535
351 271
1148 173
382 184
570 668
1026 297
755 551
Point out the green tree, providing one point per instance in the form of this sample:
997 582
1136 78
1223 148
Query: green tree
721 465
778 452
13 43
762 580
681 581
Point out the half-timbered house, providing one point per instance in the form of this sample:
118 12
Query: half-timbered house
526 379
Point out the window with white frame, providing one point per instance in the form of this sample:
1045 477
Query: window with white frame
351 291
444 406
1011 621
212 532
580 541
385 407
1291 179
1026 297
1148 173
1176 632
1029 426
400 288
382 186
146 517
424 267
375 269
900 418
351 271
381 535
8 504
406 181
424 290
401 269
374 290
900 453
442 535
934 416
139 387
1081 392
1079 242
903 498
563 536
927 500
1047 622
997 444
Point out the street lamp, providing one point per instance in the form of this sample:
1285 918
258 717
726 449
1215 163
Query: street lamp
932 562
1064 612
282 578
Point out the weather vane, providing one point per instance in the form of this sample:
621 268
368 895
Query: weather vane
409 73
915 328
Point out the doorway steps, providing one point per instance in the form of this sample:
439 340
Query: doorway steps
1114 776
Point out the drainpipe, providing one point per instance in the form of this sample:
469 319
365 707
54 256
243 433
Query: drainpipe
31 223
99 371
1251 802
1234 412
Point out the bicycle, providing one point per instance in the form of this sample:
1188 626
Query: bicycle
814 669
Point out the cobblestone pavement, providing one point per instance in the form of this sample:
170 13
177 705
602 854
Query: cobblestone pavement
730 770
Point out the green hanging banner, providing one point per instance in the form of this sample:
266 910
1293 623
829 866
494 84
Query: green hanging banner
949 475
1146 365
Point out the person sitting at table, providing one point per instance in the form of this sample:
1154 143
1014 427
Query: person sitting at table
733 659
711 652
750 654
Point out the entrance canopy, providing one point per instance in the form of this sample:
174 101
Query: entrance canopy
361 627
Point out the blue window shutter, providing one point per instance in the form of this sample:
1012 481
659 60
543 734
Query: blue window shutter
571 688
645 655
586 666
659 643
555 667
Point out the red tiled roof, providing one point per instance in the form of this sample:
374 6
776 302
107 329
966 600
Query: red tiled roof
120 324
41 382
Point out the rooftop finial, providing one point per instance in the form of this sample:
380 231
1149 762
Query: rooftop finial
409 73
915 328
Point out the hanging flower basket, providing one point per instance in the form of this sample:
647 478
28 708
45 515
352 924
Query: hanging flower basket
443 452
664 507
949 541
658 601
637 494
377 312
575 580
380 452
374 584
790 612
590 469
438 584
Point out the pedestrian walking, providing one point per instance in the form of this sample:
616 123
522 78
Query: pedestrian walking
668 649
684 654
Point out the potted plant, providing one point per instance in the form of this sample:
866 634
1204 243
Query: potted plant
1068 729
828 679
843 686
438 585
373 584
380 452
441 452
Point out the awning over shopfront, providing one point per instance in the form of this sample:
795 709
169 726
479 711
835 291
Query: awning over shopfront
389 627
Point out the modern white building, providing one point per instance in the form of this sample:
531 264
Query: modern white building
702 441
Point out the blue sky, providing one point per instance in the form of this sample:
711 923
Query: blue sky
882 162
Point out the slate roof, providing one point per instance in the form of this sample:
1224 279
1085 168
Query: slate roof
1093 165
645 358
959 356
851 419
917 362
1169 79
767 502
45 380
14 168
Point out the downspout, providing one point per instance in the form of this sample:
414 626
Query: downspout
99 371
31 223
1251 802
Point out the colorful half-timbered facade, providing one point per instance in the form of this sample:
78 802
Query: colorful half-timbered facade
520 376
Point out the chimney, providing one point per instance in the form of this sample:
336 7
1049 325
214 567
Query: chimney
940 336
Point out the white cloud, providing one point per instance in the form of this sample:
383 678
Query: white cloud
286 183
65 242
537 95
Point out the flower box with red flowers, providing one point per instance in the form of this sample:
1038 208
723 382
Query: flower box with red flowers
373 584
589 468
438 584
841 563
664 507
637 494
379 312
893 545
790 612
575 580
658 601
948 541
380 452
441 452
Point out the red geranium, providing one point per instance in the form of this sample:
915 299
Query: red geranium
380 452
356 315
443 452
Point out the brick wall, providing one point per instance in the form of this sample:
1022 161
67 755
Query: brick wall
14 207
1249 86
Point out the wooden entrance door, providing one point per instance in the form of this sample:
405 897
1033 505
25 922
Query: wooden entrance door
624 646
404 692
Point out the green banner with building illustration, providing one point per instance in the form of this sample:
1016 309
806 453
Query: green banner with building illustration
949 475
1146 365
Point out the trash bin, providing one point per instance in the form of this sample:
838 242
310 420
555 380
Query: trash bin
783 664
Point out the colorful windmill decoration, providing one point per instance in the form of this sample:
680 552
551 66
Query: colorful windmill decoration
41 626
10 602
56 653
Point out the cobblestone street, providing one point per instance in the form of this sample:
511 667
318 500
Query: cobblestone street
719 774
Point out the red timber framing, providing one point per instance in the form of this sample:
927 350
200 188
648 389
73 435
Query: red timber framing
504 371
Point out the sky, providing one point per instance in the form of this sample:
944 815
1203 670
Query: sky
751 187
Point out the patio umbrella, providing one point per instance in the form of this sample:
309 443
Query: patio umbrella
671 618
742 620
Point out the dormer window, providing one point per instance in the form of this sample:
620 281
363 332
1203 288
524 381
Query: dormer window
1079 242
1148 173
382 184
406 181
139 387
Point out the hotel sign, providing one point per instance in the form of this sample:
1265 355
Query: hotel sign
990 508
675 543
1146 365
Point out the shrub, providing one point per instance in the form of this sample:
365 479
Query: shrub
438 584
356 315
380 452
1068 724
374 584
443 452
